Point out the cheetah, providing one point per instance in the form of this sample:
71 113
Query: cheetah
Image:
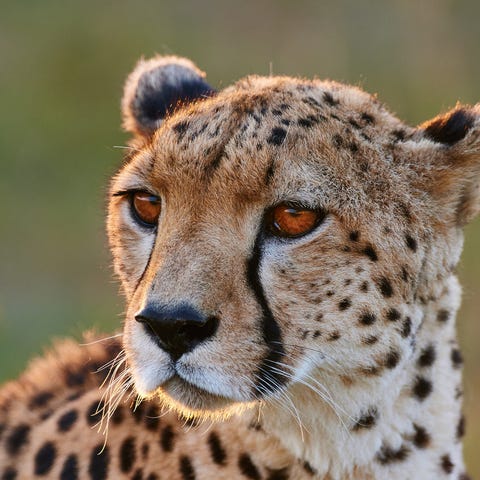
287 249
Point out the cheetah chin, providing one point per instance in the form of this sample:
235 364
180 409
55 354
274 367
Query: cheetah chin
287 249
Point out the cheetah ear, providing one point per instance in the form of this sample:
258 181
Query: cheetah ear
456 160
156 87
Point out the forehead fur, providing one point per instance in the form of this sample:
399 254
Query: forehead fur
289 139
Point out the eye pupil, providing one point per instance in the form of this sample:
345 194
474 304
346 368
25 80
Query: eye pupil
290 221
146 207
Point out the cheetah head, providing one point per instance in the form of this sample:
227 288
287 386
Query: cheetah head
279 236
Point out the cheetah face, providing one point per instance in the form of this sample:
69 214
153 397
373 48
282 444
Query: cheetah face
261 239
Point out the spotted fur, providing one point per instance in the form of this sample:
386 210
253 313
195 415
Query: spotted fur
330 356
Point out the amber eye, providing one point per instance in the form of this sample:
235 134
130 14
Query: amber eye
292 221
146 207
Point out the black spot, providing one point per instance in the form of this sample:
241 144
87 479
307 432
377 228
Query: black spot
365 137
99 462
94 412
411 243
40 399
399 135
330 293
404 274
393 315
388 455
461 428
443 316
152 418
354 236
180 128
422 388
368 319
117 416
308 122
367 118
66 421
217 451
344 304
17 438
456 357
427 356
337 141
421 438
9 474
370 252
70 468
406 327
277 136
186 468
278 474
328 97
451 127
44 458
247 467
138 475
316 334
75 378
354 123
269 173
334 336
353 147
145 450
392 359
385 287
127 454
138 412
311 101
447 464
405 211
367 420
152 476
364 286
166 439
370 340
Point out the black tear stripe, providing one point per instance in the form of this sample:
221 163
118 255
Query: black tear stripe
268 377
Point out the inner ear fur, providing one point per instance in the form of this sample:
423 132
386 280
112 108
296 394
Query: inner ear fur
156 87
456 184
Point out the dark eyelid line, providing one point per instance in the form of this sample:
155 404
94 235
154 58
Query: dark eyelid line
131 191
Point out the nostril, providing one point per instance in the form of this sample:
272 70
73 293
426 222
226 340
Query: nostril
198 333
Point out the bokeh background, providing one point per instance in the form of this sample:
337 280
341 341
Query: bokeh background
62 65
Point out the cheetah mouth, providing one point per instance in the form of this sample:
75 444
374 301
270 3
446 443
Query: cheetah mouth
192 400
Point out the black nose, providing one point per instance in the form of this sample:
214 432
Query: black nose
178 329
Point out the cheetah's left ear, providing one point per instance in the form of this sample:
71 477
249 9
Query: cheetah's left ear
457 160
156 87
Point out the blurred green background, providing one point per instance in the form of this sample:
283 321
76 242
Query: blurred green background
62 65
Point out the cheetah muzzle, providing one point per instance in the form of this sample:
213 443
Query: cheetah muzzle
287 249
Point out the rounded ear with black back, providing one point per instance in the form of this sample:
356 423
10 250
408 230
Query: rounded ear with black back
156 87
457 178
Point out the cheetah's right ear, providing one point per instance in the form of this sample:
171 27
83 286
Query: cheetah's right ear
156 87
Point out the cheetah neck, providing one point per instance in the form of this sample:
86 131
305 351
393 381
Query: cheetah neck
413 423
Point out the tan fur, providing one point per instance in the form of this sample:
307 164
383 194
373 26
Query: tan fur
366 383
